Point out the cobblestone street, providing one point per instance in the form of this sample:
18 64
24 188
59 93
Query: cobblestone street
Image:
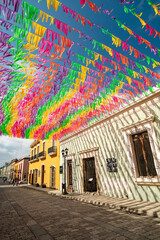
29 214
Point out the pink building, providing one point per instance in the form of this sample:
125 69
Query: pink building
23 168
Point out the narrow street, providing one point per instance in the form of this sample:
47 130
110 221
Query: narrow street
29 214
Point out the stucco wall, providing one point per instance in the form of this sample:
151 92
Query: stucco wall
108 137
48 162
25 168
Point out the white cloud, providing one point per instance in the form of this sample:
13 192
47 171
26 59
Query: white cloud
11 148
3 150
8 141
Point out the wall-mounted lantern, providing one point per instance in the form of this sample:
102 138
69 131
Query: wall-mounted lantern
61 169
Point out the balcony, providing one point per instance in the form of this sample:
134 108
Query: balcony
52 151
34 158
42 155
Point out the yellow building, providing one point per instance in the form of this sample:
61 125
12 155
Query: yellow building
44 163
16 170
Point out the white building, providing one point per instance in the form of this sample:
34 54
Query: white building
4 171
118 156
8 171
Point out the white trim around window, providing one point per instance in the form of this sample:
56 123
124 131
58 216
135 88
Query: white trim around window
128 131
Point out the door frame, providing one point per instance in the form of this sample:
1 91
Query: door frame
69 187
92 152
43 165
32 178
53 166
84 171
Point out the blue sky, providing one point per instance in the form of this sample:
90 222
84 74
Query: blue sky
11 148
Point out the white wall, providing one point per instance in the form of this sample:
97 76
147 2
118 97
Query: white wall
105 140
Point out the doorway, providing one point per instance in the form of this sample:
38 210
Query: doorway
33 177
42 175
90 182
31 181
69 175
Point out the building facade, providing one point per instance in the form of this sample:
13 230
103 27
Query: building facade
16 169
44 163
4 171
12 169
119 156
23 168
8 171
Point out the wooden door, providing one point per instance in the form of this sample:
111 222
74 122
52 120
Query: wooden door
90 183
42 175
69 173
33 177
53 177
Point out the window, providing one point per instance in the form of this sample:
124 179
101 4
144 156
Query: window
38 150
32 152
143 151
43 146
143 154
35 151
53 143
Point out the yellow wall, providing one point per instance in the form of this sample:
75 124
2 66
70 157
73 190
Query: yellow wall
48 161
16 169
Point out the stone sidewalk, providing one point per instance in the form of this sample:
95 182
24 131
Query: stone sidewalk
151 209
26 214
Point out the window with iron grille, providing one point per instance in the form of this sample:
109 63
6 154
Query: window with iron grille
143 153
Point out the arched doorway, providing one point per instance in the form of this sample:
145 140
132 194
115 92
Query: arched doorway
53 177
42 174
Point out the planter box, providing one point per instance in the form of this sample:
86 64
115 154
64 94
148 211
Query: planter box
36 184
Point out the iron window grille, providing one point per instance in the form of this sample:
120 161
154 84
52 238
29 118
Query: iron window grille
42 154
52 149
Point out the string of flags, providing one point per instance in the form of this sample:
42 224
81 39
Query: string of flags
48 90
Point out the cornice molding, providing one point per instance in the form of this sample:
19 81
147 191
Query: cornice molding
89 150
35 142
71 155
138 123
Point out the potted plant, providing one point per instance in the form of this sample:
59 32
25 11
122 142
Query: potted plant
43 185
